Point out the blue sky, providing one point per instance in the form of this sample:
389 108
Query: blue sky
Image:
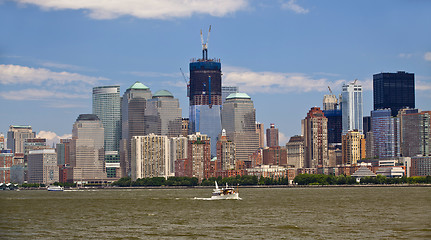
283 53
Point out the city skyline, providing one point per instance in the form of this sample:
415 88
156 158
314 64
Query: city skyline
52 55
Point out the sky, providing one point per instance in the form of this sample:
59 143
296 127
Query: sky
283 53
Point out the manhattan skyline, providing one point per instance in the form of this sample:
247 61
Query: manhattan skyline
281 53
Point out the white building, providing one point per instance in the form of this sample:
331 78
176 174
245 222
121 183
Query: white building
352 109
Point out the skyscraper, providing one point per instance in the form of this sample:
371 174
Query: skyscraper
316 139
163 115
353 147
330 102
106 105
352 109
239 121
228 90
260 130
86 151
386 132
394 91
16 137
42 166
335 125
416 138
133 106
272 136
205 97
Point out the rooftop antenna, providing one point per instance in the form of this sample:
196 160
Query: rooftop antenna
205 45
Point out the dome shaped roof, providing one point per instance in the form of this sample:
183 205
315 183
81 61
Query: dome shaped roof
238 95
163 93
138 85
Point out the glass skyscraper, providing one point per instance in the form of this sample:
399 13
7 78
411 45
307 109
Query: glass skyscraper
386 132
352 109
106 105
394 91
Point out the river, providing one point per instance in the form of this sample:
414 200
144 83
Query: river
263 213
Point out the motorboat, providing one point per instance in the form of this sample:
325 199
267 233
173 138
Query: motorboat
224 193
55 188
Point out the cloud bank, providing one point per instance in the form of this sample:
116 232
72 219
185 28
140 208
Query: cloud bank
52 137
292 6
427 56
147 9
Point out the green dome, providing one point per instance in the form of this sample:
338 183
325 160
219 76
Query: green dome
238 95
138 85
163 93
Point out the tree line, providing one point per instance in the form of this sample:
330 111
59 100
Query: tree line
321 179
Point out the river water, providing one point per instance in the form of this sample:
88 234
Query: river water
263 213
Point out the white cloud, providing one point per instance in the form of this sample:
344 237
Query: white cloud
40 94
156 74
148 9
275 82
427 56
63 66
16 74
52 137
291 5
282 139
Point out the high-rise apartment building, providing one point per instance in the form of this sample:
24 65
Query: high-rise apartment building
226 153
316 139
272 136
416 137
150 156
42 166
107 107
394 91
133 106
178 151
295 151
239 121
86 151
199 156
6 163
16 137
163 115
205 97
260 130
353 148
352 109
386 132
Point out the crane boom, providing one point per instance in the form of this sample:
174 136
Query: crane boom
184 76
330 90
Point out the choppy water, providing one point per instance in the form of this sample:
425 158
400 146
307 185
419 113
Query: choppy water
292 213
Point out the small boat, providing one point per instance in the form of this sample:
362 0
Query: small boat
224 193
55 188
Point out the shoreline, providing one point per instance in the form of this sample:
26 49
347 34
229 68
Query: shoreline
246 186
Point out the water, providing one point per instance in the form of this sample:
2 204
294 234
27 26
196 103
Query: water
286 213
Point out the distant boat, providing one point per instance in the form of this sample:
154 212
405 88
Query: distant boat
224 193
55 188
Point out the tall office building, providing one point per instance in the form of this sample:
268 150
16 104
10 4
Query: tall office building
335 125
106 105
205 97
150 156
2 142
16 137
353 148
394 91
272 136
42 166
260 130
352 109
86 150
386 132
226 91
133 105
239 121
416 138
316 139
163 115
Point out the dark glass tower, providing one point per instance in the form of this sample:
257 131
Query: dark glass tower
394 91
205 97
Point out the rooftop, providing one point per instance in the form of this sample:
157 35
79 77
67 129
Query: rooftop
238 95
163 93
87 117
138 85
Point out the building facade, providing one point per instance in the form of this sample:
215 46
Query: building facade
42 166
107 107
352 109
394 91
228 90
353 148
386 132
295 151
199 156
416 134
16 137
335 125
330 102
260 130
226 153
272 136
316 139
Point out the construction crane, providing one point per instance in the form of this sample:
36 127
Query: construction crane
187 83
205 45
330 90
356 80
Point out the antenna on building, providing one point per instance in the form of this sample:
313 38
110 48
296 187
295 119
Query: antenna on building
205 45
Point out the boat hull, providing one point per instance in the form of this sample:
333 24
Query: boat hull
234 196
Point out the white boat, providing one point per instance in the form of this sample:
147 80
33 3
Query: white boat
224 193
55 188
